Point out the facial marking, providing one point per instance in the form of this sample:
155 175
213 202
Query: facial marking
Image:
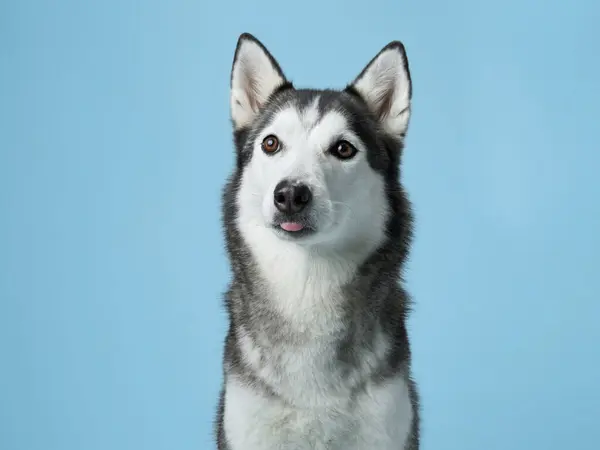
347 195
311 115
333 127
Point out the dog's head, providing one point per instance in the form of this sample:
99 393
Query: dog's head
315 167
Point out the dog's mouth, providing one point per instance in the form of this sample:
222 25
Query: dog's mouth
293 227
299 234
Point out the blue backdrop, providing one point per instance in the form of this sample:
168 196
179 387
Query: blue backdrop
115 141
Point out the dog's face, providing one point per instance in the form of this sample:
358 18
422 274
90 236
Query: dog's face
314 163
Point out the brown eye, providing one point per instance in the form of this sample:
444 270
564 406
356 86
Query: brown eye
343 150
270 144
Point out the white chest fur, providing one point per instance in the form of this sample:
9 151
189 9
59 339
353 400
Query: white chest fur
378 418
306 374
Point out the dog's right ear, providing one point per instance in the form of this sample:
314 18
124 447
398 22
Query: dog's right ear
254 77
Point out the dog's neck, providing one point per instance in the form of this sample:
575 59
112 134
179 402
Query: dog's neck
310 286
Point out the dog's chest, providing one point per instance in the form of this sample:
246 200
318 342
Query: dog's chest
379 417
315 372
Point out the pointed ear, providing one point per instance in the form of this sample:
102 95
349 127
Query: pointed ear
385 86
254 77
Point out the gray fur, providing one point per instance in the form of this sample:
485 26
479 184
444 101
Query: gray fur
374 299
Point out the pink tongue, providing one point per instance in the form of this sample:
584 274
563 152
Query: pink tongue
291 226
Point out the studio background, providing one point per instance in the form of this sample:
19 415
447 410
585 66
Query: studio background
115 142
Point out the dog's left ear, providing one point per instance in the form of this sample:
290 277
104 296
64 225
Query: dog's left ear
254 77
385 86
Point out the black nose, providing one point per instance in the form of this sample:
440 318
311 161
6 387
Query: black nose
291 197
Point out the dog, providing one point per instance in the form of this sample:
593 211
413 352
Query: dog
317 228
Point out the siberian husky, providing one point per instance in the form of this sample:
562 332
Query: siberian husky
317 228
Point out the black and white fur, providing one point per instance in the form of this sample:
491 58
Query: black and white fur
317 354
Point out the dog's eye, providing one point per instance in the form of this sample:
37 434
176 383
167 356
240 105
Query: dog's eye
343 150
270 144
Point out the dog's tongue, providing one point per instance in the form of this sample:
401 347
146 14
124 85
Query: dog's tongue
291 226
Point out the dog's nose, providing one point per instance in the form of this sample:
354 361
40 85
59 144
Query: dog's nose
291 197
